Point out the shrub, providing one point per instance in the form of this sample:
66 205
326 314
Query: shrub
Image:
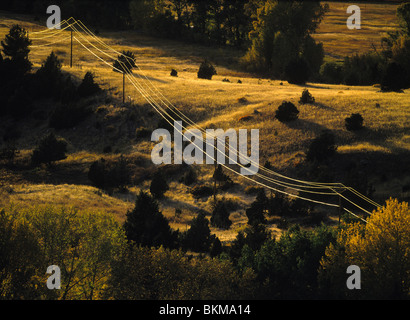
297 71
206 70
354 122
189 177
365 69
68 90
109 175
142 133
158 185
202 191
67 116
322 147
287 111
395 78
220 216
49 149
174 73
88 86
97 173
306 97
331 72
119 174
256 211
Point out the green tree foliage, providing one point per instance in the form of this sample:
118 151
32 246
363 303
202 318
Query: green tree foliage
289 266
82 244
282 34
380 248
332 72
144 273
50 149
363 69
222 22
403 15
145 224
20 258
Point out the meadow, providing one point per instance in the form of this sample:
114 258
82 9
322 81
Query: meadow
383 146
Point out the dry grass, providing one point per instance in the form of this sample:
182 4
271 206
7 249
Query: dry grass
214 104
339 41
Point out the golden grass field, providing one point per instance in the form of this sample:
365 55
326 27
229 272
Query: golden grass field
214 104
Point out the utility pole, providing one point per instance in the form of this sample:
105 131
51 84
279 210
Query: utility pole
340 208
71 50
123 87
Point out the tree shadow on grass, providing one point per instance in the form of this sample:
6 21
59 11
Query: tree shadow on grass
305 125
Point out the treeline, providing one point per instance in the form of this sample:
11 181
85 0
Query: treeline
275 36
102 259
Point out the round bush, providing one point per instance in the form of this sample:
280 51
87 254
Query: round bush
286 112
322 147
206 70
354 122
306 97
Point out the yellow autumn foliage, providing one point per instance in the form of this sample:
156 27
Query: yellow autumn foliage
381 248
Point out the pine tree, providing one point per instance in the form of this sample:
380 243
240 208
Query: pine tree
220 216
257 209
16 46
198 237
146 225
158 185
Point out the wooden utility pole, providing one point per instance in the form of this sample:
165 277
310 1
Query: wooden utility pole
123 87
340 208
71 50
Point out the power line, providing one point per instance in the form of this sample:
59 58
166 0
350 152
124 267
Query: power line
255 180
128 73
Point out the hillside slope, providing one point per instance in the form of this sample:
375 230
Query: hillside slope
382 149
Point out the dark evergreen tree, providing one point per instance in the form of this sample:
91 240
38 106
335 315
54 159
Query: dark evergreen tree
256 212
145 224
220 216
198 237
16 46
158 185
98 172
216 247
88 86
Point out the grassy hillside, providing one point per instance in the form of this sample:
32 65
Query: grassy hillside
382 149
376 20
